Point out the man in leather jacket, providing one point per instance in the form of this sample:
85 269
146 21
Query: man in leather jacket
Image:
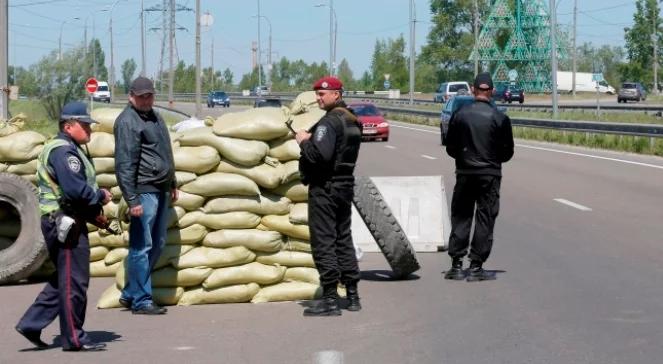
329 152
480 140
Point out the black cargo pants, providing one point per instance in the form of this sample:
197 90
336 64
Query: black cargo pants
330 212
482 191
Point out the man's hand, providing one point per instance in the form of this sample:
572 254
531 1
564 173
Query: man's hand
107 196
301 136
174 194
136 211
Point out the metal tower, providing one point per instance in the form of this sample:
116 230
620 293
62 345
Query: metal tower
516 36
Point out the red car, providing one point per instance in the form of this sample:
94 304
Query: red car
374 125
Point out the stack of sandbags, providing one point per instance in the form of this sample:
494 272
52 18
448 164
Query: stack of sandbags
19 151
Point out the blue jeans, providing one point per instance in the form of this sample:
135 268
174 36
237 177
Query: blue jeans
147 237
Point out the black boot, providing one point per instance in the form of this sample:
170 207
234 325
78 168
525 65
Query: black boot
477 273
353 297
456 272
328 305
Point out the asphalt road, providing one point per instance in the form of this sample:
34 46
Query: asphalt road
579 281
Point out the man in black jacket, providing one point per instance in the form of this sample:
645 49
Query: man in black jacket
480 140
145 171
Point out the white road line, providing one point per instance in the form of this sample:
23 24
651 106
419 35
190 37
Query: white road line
428 157
390 147
417 129
573 204
591 156
328 357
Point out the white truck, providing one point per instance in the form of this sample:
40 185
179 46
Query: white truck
584 83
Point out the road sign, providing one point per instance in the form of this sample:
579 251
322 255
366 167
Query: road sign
513 75
91 85
386 85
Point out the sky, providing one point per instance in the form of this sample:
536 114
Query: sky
300 29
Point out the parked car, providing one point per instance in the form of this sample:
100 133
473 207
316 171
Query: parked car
631 91
218 98
509 93
448 90
260 91
374 125
451 107
103 92
267 102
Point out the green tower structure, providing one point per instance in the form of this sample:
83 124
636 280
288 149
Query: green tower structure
516 36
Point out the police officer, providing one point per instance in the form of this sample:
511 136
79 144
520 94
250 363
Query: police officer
66 177
328 155
480 140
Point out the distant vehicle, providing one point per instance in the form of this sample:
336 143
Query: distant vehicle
451 107
218 98
631 91
267 102
448 90
509 93
584 83
374 125
103 92
260 91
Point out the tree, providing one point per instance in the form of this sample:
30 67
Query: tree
344 73
95 55
388 58
128 69
639 40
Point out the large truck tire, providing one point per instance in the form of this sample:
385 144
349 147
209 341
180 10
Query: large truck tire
384 227
28 251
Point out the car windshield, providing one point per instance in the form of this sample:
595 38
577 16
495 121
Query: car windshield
456 88
219 94
365 110
102 88
628 85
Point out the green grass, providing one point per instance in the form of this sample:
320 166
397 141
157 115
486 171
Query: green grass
37 119
611 117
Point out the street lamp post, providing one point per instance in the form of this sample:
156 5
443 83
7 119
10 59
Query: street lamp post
269 56
333 29
4 61
259 54
553 55
112 64
60 38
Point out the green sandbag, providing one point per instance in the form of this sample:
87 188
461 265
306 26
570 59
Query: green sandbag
231 294
213 257
303 274
116 255
189 201
161 296
222 184
297 245
243 274
184 177
23 168
264 175
284 149
282 224
21 146
227 220
253 239
98 253
198 160
186 236
104 164
100 269
254 124
169 252
241 151
304 102
101 145
265 204
105 116
287 291
188 277
293 190
97 238
299 213
287 258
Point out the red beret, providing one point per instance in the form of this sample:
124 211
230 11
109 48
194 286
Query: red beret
328 83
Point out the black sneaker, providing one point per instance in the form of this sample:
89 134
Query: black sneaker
34 337
456 272
479 274
150 309
326 307
87 347
125 303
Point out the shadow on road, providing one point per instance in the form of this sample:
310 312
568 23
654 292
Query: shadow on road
95 336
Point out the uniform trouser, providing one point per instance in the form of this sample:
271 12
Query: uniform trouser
65 294
482 191
330 212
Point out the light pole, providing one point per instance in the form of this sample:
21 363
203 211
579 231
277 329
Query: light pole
259 55
269 56
333 28
112 64
60 38
412 32
553 55
4 61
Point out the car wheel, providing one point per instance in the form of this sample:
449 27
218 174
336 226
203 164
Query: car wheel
521 101
386 139
510 101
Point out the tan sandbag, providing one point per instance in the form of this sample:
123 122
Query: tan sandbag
213 257
106 180
110 298
262 227
222 184
189 218
299 213
287 291
32 178
21 146
104 164
265 204
290 172
284 149
174 216
169 252
304 102
189 201
247 273
12 125
184 177
231 294
23 168
241 151
263 174
303 274
116 255
282 224
287 258
293 190
227 220
255 124
105 116
11 227
306 120
161 296
98 253
111 210
109 241
297 245
188 277
100 269
198 160
101 144
116 192
186 236
3 167
256 240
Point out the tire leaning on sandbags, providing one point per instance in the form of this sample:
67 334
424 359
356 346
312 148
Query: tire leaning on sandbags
28 251
384 227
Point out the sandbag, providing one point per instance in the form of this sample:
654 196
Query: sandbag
189 201
12 125
231 294
227 220
306 120
101 144
265 204
304 102
116 192
3 167
297 245
284 149
222 184
264 175
106 180
290 172
256 240
198 160
109 241
23 168
21 146
174 215
188 277
287 291
98 253
253 272
302 274
213 257
105 116
293 190
255 124
287 258
169 252
186 236
100 269
282 224
299 213
104 164
116 255
161 296
184 177
241 151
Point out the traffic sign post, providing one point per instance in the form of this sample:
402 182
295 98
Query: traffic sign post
91 87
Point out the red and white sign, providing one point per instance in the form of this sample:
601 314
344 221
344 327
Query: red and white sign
91 85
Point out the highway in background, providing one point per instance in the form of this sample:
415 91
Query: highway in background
578 251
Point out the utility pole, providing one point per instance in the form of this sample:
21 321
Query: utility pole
412 34
476 35
259 55
575 30
142 39
331 39
655 41
171 70
4 60
553 55
212 63
199 109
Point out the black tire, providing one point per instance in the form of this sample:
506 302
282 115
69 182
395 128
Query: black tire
387 232
28 252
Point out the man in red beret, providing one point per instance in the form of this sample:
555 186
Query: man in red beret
328 155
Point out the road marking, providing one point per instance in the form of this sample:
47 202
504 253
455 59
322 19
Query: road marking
417 129
184 348
591 156
390 147
328 357
573 204
428 157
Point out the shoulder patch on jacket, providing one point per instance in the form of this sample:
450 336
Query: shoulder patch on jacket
320 133
74 164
